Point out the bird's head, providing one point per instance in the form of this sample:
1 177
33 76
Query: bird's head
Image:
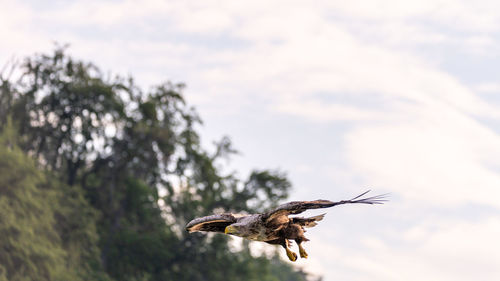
233 229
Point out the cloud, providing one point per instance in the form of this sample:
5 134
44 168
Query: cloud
458 15
435 249
294 50
16 30
449 250
318 111
488 88
436 155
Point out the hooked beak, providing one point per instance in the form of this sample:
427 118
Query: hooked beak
230 229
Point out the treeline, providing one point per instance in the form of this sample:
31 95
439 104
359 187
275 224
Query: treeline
98 179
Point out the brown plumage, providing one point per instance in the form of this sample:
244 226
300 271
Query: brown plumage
275 226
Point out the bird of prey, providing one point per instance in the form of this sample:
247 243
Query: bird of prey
275 226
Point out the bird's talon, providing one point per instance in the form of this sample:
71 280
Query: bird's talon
291 255
303 253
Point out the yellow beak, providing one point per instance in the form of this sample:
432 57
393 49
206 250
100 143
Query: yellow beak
230 229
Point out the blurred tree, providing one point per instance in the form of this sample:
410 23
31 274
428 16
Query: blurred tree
137 157
46 232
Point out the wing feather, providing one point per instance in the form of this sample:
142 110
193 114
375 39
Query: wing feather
297 207
213 223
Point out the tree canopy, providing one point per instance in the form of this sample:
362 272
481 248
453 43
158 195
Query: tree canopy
98 178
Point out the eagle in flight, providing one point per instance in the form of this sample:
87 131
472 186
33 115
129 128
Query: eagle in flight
275 226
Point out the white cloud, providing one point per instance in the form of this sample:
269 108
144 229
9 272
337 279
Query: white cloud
18 39
106 13
318 111
434 154
432 250
459 15
451 250
488 88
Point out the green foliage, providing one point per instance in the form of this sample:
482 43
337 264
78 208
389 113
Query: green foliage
39 238
30 247
117 174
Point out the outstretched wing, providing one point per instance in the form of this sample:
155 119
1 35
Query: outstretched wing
297 207
214 223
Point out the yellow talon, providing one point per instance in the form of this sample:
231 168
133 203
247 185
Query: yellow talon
291 255
302 252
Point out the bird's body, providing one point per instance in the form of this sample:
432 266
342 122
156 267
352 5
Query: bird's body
256 230
275 226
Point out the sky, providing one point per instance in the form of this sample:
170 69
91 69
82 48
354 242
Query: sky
344 96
